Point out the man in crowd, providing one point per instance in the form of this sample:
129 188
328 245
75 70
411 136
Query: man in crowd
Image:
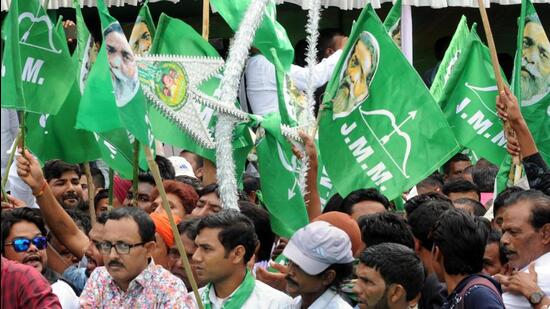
385 227
421 220
498 206
432 183
24 240
188 231
389 275
456 166
209 201
458 246
320 259
470 206
225 243
128 279
363 202
494 258
146 185
526 240
196 161
64 181
460 188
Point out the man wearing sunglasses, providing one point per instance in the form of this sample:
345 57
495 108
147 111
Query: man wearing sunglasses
128 279
24 241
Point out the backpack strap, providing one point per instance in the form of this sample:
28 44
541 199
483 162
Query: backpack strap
478 280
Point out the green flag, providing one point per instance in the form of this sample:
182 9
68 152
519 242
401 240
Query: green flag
270 33
468 102
34 52
175 37
448 63
392 23
143 32
279 170
531 85
380 127
112 97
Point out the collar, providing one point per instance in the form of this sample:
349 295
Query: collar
540 261
146 276
322 301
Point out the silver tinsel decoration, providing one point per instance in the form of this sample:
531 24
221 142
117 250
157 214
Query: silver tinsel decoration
238 53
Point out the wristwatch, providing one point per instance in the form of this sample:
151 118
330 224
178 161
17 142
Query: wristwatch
536 297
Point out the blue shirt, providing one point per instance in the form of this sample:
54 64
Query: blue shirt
477 296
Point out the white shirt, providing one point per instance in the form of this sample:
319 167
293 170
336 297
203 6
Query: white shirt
263 296
66 295
542 267
261 85
10 125
329 299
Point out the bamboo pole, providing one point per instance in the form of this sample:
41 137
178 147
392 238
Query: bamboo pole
508 131
10 158
91 191
135 174
111 187
158 181
22 131
205 19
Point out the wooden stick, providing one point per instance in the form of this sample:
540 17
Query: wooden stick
22 131
10 158
135 174
508 131
111 187
91 191
205 19
158 181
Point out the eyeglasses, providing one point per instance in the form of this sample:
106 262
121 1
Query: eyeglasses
22 244
120 247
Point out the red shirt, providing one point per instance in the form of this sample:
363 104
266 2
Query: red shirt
24 287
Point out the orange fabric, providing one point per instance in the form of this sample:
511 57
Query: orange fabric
162 226
346 223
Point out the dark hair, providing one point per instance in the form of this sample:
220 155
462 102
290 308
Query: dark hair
461 238
114 27
300 50
326 41
434 180
262 226
97 177
56 168
484 177
494 237
165 167
102 217
413 203
12 217
385 227
343 272
357 196
333 203
189 227
424 218
236 229
145 224
81 218
251 183
479 209
186 194
540 206
396 264
498 203
188 180
101 194
456 158
459 185
148 178
213 187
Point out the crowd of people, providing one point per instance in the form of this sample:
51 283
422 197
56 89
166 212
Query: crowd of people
455 244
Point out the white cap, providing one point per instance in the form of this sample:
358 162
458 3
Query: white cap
318 245
182 167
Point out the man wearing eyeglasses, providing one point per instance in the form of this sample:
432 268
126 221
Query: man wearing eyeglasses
128 279
24 241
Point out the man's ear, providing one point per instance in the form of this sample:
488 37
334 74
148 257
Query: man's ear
237 254
150 246
396 294
545 234
328 277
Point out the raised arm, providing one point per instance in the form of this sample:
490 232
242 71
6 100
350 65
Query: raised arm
59 222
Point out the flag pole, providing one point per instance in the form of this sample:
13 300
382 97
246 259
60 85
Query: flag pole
205 19
10 158
135 176
111 187
91 191
508 131
183 255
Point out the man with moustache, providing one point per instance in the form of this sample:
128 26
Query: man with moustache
61 224
129 279
24 240
64 181
320 259
535 62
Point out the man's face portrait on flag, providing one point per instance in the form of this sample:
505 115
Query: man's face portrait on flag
140 39
535 62
122 63
359 69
